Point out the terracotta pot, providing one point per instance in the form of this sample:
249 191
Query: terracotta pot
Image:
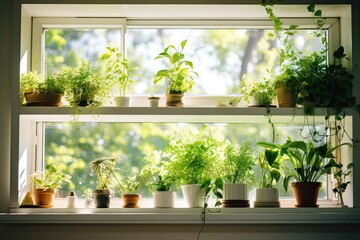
174 100
306 193
102 198
285 97
43 198
131 200
41 99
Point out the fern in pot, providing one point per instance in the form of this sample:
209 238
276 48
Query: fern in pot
118 71
270 162
237 169
84 85
180 74
193 160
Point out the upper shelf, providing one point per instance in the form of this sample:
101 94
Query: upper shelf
169 114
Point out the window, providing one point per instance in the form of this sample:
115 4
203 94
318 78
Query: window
224 47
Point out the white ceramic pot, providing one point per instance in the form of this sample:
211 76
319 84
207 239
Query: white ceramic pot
235 191
193 195
267 197
123 101
164 199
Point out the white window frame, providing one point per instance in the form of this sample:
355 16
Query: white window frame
40 24
26 116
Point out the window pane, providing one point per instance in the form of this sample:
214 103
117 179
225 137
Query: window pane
220 56
68 47
72 148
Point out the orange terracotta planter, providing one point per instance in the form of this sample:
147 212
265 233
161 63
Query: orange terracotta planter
43 198
131 200
306 193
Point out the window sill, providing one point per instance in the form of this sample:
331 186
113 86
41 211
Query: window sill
184 216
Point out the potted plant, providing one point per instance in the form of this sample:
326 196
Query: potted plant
88 198
130 186
118 72
340 176
162 183
104 169
45 183
286 85
84 85
193 160
180 74
237 173
267 195
286 82
40 93
258 93
163 195
307 165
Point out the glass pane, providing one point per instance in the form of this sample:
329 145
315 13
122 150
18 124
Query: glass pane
68 47
220 56
72 148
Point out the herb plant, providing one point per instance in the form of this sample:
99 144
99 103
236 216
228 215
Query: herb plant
238 164
50 178
117 70
32 81
84 85
193 157
180 75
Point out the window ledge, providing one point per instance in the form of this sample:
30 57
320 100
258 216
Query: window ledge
184 216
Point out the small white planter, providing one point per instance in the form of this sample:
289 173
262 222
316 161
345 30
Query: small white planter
267 197
164 199
123 101
235 191
193 195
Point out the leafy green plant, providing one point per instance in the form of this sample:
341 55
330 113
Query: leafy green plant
50 178
32 81
271 167
104 169
307 162
193 157
238 164
340 176
263 92
117 69
84 85
132 184
163 184
180 75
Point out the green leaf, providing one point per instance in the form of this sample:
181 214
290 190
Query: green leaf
318 13
311 8
183 43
